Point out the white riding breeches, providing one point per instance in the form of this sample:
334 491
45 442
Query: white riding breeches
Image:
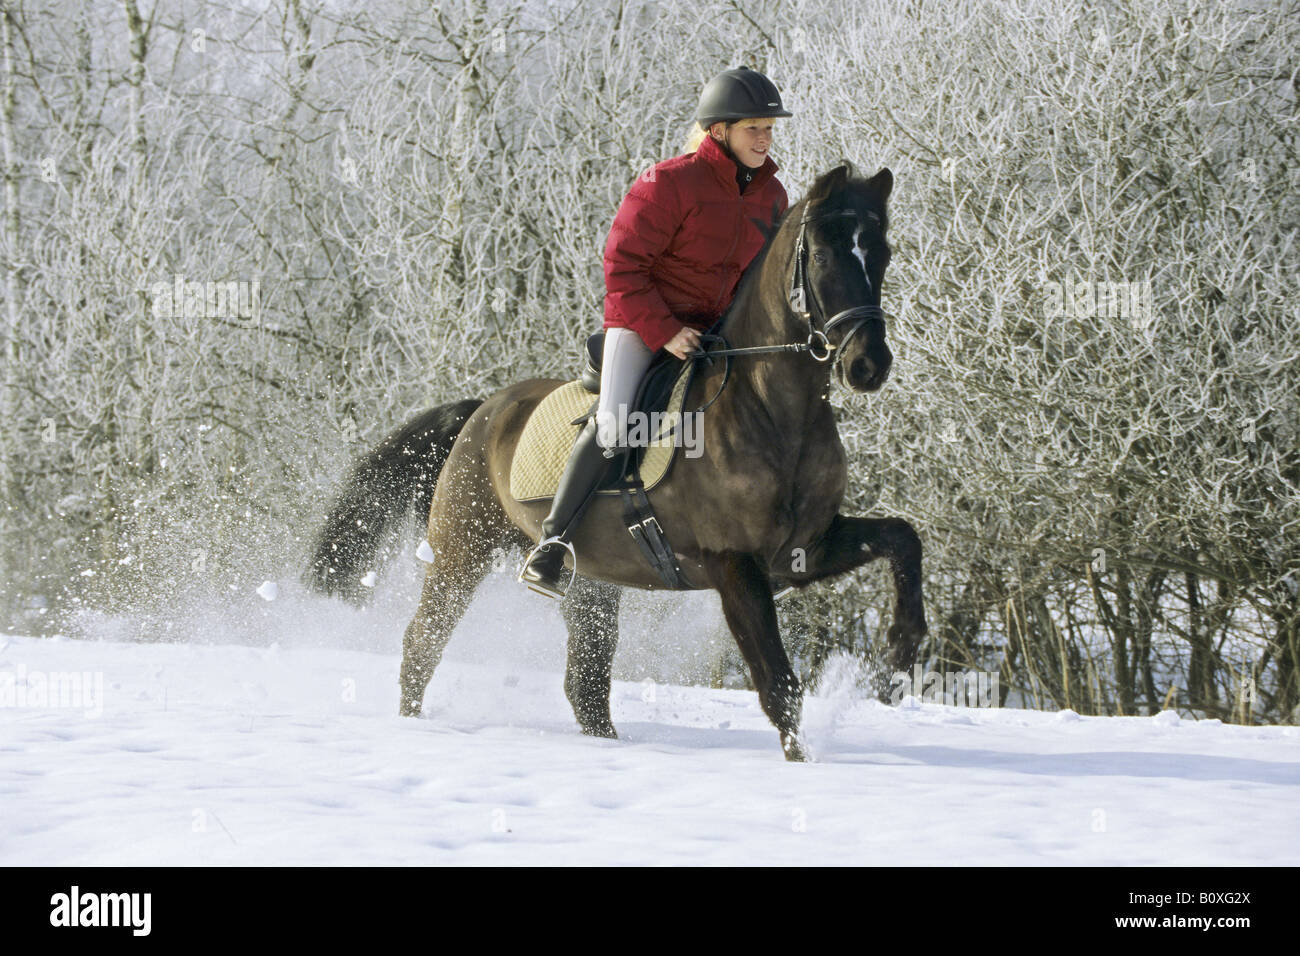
625 359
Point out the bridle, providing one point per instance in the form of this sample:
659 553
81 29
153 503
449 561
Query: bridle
800 294
818 344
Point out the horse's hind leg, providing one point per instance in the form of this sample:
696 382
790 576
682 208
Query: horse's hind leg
751 614
466 524
591 612
448 588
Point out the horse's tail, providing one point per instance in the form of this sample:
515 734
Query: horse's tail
380 490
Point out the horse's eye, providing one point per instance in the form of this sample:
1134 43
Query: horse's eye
819 258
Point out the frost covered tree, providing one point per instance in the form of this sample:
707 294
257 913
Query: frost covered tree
242 241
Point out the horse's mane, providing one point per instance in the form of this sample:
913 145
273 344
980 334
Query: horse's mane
749 277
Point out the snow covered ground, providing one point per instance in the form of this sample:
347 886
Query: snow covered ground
228 753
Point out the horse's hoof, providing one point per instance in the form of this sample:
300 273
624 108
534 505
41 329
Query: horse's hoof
794 750
882 691
904 640
601 730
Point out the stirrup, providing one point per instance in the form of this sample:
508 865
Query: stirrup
537 587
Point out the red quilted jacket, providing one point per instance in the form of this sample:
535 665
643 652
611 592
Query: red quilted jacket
681 239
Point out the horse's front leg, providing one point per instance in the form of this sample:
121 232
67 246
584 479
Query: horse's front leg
747 603
852 542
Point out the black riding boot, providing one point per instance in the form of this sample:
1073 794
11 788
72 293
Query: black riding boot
582 473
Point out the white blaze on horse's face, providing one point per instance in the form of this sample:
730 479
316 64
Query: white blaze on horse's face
861 253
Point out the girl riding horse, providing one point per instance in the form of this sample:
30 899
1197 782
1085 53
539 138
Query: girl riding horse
760 512
681 239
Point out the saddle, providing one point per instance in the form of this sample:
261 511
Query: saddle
549 434
655 387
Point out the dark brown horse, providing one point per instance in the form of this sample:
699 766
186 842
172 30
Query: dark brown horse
758 510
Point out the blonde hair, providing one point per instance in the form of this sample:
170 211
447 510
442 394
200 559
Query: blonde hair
698 132
694 137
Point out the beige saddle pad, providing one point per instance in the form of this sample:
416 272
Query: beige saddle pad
548 438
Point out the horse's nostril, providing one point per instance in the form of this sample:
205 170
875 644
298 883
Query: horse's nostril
862 368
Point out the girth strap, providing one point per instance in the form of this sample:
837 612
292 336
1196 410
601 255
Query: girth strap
644 527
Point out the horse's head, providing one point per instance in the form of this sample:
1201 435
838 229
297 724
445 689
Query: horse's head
839 265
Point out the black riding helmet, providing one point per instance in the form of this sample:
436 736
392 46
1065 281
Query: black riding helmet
738 94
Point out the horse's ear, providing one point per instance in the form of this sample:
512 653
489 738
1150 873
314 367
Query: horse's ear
831 181
882 183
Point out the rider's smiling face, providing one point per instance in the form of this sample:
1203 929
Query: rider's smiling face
749 139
